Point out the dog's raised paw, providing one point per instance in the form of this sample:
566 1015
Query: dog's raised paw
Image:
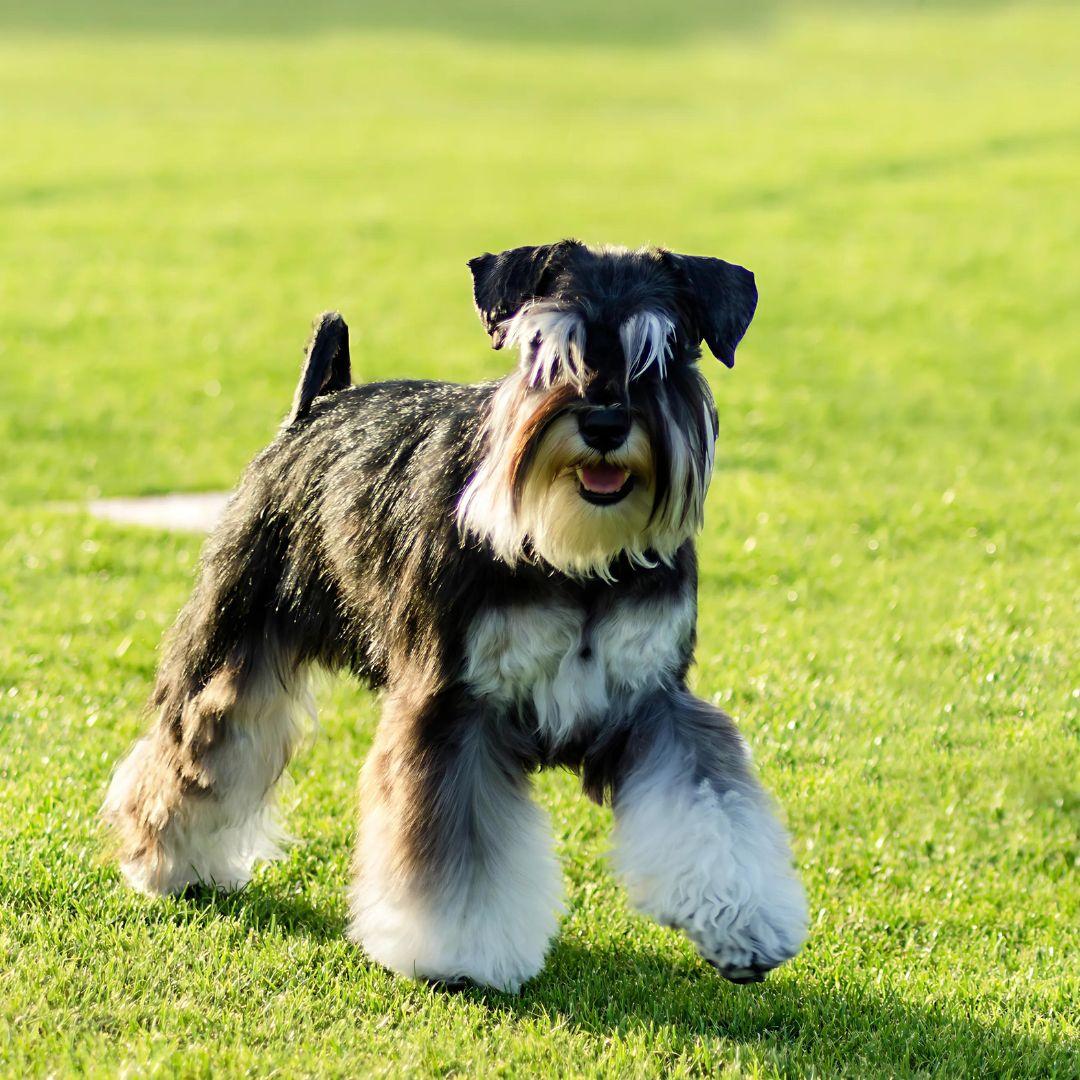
754 973
750 960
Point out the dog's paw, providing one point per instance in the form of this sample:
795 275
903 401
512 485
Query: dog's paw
741 975
742 904
747 960
745 943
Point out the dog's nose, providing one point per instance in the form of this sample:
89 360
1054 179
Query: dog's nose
604 427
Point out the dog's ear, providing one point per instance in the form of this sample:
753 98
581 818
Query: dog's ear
502 283
722 298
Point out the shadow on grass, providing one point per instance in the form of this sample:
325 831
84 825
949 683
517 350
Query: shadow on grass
261 909
640 22
796 1022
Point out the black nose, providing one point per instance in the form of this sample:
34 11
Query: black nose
604 427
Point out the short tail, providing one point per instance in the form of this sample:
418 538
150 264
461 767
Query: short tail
326 367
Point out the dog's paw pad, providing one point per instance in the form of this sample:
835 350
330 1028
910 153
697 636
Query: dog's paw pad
452 985
754 973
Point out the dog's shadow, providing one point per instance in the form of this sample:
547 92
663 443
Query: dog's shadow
262 910
630 987
791 1019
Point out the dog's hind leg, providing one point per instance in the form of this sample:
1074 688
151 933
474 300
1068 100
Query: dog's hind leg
455 878
192 802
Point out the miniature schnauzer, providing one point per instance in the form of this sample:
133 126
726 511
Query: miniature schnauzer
512 563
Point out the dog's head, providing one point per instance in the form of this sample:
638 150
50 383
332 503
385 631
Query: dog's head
601 442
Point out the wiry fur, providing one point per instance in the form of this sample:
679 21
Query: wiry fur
196 805
455 875
441 543
648 337
699 846
552 343
533 657
523 499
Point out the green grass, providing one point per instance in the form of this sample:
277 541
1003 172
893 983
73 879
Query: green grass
889 590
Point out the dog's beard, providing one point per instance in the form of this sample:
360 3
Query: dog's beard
554 510
542 492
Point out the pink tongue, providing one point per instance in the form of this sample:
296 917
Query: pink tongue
603 479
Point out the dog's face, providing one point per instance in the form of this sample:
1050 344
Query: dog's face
601 442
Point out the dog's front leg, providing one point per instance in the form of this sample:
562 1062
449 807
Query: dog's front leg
455 878
698 842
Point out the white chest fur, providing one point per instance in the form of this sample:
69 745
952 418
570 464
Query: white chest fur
570 670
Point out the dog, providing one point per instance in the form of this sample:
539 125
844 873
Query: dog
512 564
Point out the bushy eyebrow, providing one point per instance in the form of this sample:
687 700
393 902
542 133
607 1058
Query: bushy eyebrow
647 338
552 342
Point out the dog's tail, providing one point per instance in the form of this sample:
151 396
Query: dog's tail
326 366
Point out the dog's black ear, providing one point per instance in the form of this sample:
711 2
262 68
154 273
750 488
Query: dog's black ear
502 283
722 299
326 367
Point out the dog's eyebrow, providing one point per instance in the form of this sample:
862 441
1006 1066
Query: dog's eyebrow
555 336
646 338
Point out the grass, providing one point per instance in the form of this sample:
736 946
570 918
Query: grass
889 591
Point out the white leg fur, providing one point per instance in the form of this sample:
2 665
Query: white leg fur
490 922
214 837
713 862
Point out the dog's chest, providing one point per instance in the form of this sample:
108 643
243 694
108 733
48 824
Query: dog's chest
572 668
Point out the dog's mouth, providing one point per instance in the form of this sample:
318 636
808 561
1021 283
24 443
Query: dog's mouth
604 484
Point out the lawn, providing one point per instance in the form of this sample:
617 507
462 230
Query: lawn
889 593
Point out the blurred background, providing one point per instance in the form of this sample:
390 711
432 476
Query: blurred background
889 587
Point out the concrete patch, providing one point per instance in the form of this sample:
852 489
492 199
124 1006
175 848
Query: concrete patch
179 512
